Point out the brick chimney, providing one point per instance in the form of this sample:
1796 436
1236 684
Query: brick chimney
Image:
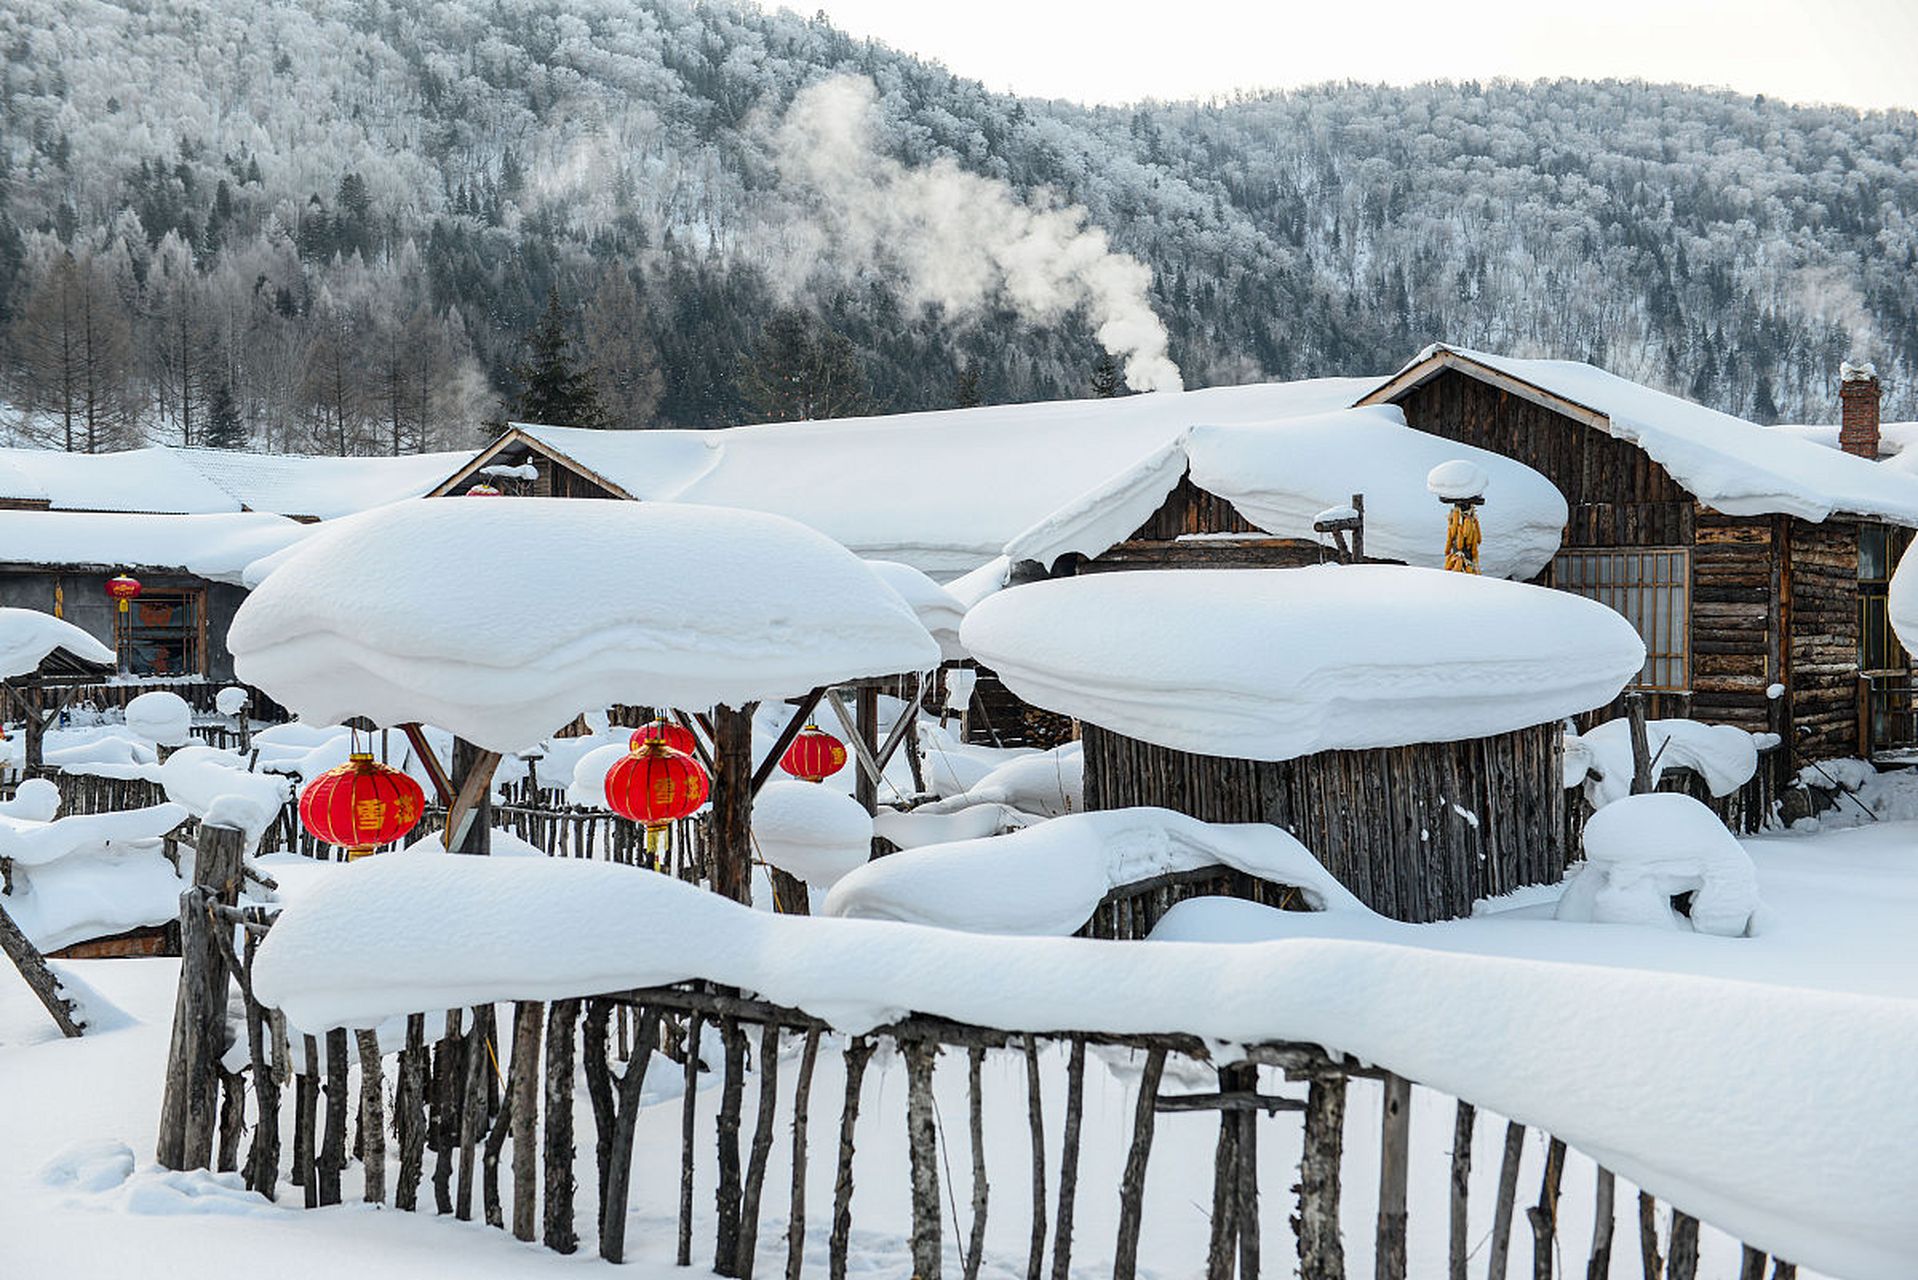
1858 394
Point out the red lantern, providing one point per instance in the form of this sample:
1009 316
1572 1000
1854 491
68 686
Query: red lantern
676 736
482 491
361 804
656 786
124 587
815 755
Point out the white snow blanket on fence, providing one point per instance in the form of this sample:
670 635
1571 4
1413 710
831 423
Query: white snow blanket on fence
1269 664
1693 1088
589 603
1724 755
27 636
811 831
1045 880
88 875
1642 851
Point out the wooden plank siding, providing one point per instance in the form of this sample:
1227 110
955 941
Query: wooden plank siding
1823 684
1416 832
1188 512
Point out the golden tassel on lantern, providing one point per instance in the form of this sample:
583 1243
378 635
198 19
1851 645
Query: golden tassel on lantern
1462 539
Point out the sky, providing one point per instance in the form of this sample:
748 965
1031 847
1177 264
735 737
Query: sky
1862 53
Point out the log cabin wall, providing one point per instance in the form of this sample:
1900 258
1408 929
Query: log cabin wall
1823 622
1416 832
1197 529
1736 630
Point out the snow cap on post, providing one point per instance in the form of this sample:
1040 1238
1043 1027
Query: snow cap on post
502 621
1270 664
1457 481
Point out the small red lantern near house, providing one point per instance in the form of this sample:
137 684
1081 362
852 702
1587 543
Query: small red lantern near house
483 491
815 755
656 786
676 736
361 804
124 587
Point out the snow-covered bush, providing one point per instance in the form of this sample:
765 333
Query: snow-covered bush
1643 851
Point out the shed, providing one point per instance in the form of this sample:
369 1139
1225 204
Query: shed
1751 560
1403 723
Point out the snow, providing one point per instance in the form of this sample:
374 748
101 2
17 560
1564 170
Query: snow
218 547
1269 664
938 611
1642 851
1901 603
232 700
154 480
1456 480
28 636
320 486
1723 755
919 827
1692 1087
215 785
1283 476
654 604
87 875
810 831
1727 463
35 799
1045 880
953 766
161 718
1047 783
942 491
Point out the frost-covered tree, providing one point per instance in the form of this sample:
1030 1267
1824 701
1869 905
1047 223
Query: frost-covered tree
617 346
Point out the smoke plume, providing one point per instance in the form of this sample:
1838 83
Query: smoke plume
959 240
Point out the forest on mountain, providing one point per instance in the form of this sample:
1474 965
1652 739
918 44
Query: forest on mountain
336 225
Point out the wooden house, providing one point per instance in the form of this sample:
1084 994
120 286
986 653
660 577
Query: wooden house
1753 563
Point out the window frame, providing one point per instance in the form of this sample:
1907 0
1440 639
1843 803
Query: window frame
189 632
1616 578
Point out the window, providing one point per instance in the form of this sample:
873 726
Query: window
1878 550
161 634
1652 588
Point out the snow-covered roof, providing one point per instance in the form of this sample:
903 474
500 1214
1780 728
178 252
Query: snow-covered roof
1731 465
937 609
941 491
1282 475
1269 664
28 637
319 486
503 620
217 546
143 480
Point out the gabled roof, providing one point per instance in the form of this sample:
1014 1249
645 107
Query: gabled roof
941 491
1729 464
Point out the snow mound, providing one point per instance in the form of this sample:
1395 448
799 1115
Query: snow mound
938 611
608 602
90 1166
162 718
218 547
1723 755
1691 1087
28 636
920 827
1047 879
1270 664
588 786
1048 783
231 700
1902 601
814 833
1642 851
215 785
90 875
34 800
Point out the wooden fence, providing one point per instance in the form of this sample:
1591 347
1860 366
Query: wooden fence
455 1111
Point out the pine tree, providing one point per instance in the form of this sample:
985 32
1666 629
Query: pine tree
966 390
1106 382
797 375
554 387
621 362
222 428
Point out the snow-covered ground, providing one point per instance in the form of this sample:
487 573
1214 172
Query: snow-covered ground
1842 901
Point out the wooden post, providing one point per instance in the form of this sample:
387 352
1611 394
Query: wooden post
1125 1255
1321 1250
333 1145
469 817
306 1107
866 787
619 1172
409 1108
472 1110
1544 1215
923 1143
562 1025
1654 1266
528 1019
688 1117
1222 1246
191 1097
1684 1260
732 821
1035 1112
263 1160
796 1210
1068 1165
1642 780
1751 1264
1246 1187
858 1053
1394 1169
1598 1265
42 981
372 1116
727 1192
1502 1209
981 1191
1458 1237
449 1086
761 1150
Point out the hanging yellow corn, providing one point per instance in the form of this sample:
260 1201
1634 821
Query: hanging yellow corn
1461 539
